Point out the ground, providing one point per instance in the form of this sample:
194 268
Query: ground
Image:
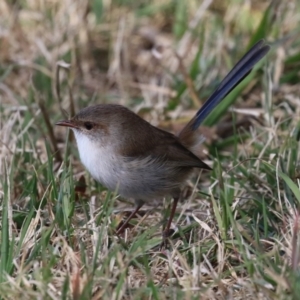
235 234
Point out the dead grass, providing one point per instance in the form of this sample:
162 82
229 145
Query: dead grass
237 238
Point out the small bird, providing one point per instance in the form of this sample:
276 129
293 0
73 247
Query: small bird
127 154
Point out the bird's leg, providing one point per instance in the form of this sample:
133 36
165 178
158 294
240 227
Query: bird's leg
166 231
122 226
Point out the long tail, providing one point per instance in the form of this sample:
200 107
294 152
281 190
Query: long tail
233 78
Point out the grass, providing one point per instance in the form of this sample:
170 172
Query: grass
237 233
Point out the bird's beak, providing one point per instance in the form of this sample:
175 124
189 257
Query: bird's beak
67 123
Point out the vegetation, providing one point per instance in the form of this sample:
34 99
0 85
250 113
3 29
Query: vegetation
237 233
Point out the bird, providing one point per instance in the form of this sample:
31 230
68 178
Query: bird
127 154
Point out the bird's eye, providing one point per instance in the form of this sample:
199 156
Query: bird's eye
88 125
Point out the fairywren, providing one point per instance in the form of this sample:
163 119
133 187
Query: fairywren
127 154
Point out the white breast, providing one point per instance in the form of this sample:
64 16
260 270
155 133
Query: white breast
99 160
141 178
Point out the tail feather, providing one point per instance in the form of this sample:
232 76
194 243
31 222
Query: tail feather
233 78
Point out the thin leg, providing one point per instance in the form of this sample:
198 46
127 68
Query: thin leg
166 231
122 227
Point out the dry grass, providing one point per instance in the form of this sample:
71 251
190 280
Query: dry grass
236 238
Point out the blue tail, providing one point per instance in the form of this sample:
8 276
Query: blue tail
233 78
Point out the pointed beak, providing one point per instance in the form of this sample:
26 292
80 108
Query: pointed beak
67 123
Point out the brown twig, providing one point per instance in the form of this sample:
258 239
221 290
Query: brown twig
47 121
188 80
50 130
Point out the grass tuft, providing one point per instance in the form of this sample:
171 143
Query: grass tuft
237 234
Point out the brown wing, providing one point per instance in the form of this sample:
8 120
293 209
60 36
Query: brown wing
184 158
160 144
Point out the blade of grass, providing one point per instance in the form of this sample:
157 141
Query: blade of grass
294 188
5 242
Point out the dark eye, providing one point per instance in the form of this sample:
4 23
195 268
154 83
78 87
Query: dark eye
88 125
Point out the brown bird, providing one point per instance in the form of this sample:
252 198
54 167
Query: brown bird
127 154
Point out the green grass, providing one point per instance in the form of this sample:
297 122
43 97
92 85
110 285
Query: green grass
237 234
